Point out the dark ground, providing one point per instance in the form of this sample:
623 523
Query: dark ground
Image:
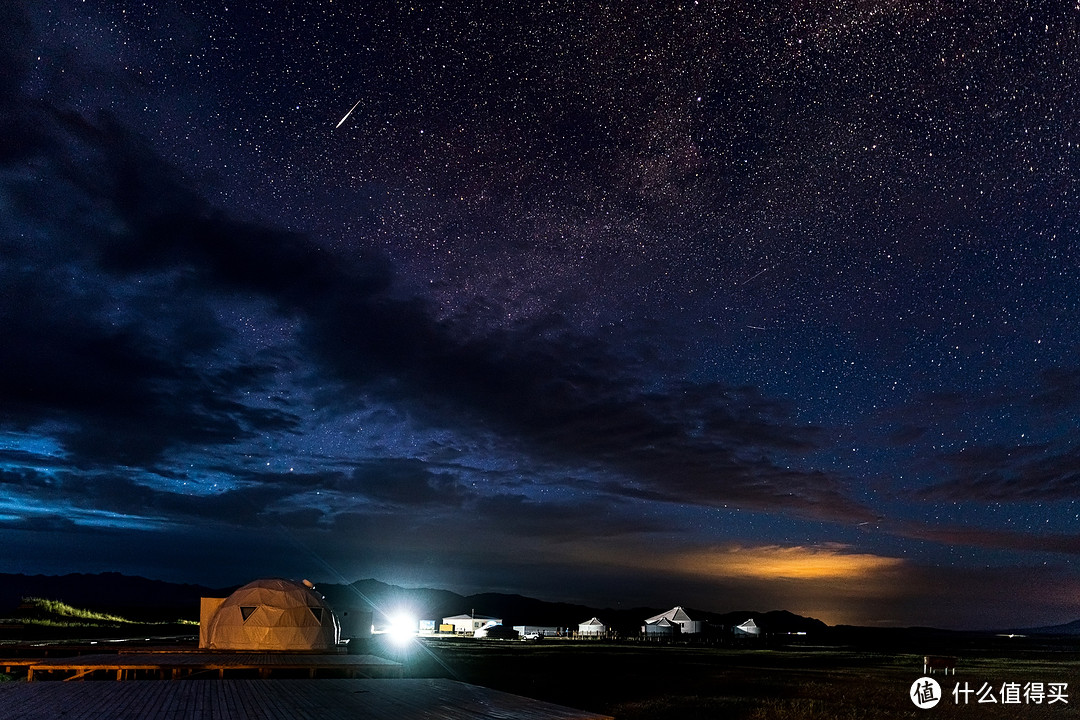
844 675
635 681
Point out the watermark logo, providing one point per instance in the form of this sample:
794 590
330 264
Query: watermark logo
925 693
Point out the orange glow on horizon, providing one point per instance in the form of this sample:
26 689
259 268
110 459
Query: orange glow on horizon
774 562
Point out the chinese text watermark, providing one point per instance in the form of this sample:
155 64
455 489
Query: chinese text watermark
925 693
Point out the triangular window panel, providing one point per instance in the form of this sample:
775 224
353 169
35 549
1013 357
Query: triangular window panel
317 612
246 611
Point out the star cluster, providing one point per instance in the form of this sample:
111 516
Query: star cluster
684 290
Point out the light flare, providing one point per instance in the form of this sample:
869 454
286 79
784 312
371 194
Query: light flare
403 628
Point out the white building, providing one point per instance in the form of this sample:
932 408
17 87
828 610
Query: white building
469 624
591 628
679 617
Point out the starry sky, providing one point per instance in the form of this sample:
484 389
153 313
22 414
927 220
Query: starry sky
723 304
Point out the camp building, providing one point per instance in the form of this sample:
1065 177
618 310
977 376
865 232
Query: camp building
674 616
469 624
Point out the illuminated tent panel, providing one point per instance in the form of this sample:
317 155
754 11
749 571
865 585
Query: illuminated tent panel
273 614
592 626
661 628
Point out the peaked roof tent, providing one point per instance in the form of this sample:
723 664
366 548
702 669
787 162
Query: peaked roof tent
749 627
675 614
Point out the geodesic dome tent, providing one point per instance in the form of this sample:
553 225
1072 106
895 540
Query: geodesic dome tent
273 614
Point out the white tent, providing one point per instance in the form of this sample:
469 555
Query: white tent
271 614
592 628
678 616
748 628
662 628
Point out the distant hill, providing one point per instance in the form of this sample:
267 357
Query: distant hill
142 599
134 597
432 604
429 604
1072 628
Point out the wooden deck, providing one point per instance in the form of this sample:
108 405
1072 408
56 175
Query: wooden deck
408 699
163 665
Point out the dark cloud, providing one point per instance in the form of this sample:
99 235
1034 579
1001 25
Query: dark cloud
24 478
1022 473
123 366
42 524
1008 443
997 539
137 382
118 394
120 497
408 483
1058 390
562 521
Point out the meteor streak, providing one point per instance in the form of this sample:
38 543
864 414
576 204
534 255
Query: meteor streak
347 115
742 283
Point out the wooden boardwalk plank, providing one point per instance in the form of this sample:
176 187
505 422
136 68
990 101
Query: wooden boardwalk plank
386 699
185 664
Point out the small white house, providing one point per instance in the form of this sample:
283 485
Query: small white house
591 628
469 624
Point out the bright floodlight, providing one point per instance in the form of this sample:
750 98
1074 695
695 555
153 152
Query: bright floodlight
403 627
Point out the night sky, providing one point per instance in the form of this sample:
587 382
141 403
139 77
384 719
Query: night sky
745 305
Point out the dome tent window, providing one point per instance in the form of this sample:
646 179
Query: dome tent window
246 611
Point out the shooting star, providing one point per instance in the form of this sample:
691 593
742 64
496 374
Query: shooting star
347 114
756 327
755 275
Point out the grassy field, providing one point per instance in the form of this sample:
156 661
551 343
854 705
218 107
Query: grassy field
634 681
40 619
